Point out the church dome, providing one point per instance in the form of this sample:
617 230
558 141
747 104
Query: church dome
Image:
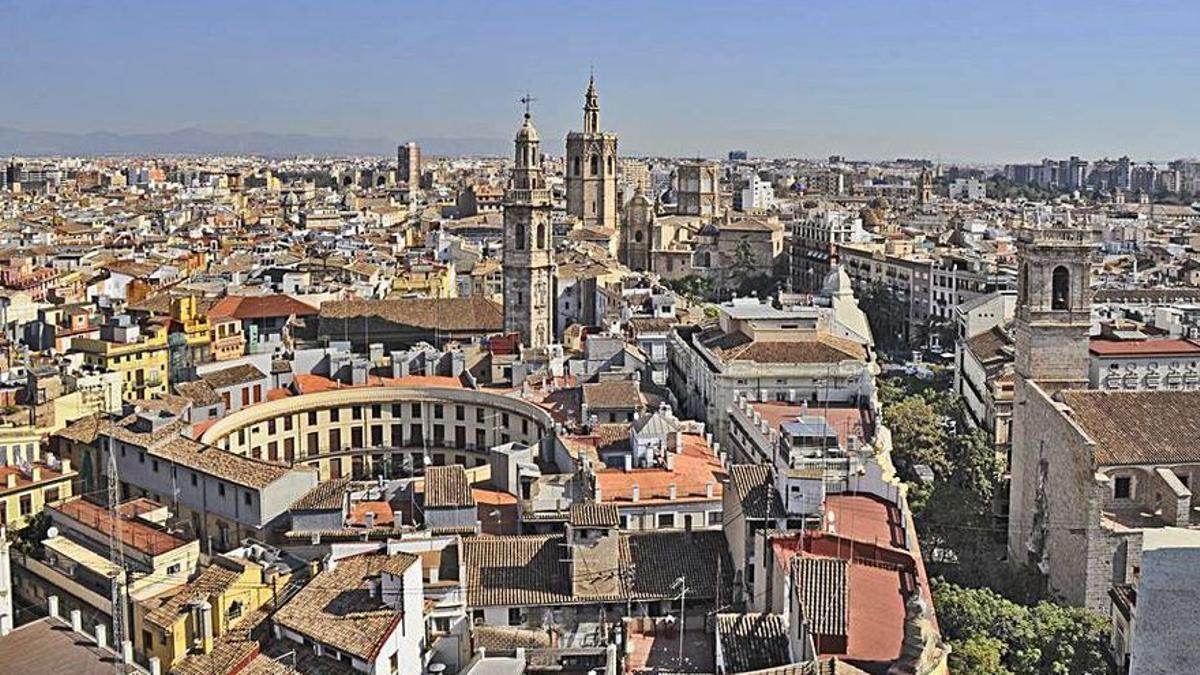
527 132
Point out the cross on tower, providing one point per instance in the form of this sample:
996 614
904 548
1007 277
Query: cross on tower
526 100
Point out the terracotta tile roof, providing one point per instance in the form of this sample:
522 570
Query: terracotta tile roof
199 392
821 585
384 517
991 346
832 666
473 313
135 534
523 570
659 558
326 496
233 376
1118 348
508 638
1138 427
337 608
591 514
164 610
695 467
616 395
220 464
754 485
447 487
822 348
533 570
260 307
753 641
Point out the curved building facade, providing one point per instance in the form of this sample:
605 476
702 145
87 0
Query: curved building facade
380 431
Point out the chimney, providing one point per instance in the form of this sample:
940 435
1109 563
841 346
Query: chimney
670 461
127 651
520 655
36 473
433 575
155 666
76 621
52 603
101 635
11 480
65 465
369 519
628 462
672 492
599 494
709 488
637 493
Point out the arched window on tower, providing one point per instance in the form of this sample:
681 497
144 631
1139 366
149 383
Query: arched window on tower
595 164
1060 288
1023 285
578 166
541 236
520 243
610 165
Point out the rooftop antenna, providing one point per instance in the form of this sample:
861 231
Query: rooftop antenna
116 556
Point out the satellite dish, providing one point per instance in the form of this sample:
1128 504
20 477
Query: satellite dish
52 532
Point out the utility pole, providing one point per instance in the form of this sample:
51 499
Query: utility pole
116 556
681 584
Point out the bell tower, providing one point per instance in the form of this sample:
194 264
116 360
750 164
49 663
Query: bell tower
528 245
1054 306
592 168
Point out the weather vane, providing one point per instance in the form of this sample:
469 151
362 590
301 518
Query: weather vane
527 99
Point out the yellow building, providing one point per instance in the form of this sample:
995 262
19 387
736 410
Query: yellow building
188 619
194 327
426 279
23 494
141 359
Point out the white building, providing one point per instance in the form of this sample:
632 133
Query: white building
758 194
967 189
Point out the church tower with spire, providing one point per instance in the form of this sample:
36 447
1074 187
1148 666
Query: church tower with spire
592 168
528 251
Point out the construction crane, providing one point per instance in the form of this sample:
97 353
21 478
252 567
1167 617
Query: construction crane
116 556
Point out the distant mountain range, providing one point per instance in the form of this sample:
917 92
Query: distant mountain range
201 142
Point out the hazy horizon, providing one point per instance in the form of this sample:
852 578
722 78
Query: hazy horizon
868 80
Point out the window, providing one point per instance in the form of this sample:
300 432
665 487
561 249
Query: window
514 616
437 411
313 444
270 427
174 569
714 518
1123 487
356 412
312 416
666 520
460 413
235 609
247 499
154 465
221 489
195 479
287 423
376 411
1060 288
479 415
50 495
416 410
334 414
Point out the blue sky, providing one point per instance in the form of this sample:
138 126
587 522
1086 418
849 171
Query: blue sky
988 81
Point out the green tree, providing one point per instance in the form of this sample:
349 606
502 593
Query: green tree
887 315
28 540
918 435
1045 638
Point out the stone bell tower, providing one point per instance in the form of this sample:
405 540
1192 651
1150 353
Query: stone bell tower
592 168
1054 306
528 250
